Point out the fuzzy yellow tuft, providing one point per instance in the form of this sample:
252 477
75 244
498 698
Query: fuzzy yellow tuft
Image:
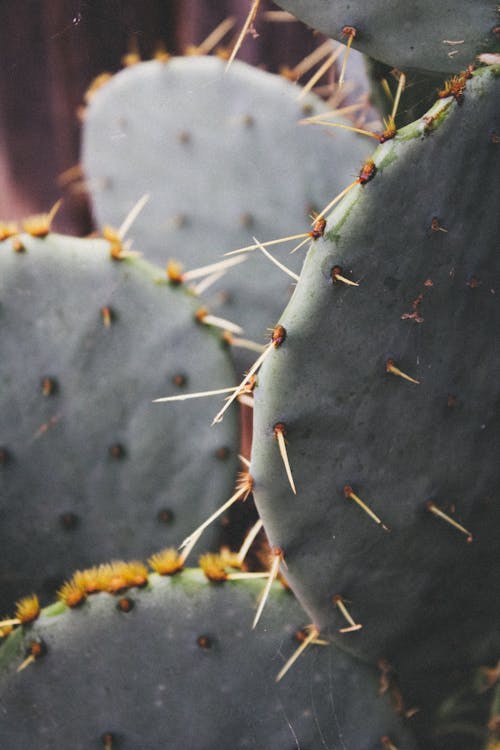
166 563
39 225
213 567
71 594
8 229
27 609
98 82
87 580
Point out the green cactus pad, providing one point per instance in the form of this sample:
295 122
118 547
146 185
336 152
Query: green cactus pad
429 300
223 158
442 36
177 666
91 468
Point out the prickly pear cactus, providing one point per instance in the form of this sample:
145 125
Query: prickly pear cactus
443 37
388 395
224 158
175 665
90 468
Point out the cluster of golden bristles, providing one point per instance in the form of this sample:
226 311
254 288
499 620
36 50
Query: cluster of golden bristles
117 576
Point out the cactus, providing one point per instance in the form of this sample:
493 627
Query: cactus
373 462
174 665
387 393
440 37
223 158
90 468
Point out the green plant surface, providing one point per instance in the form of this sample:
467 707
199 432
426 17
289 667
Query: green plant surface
421 239
90 468
177 666
224 158
441 37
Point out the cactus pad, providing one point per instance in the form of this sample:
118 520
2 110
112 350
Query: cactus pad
175 665
90 469
223 158
421 239
440 36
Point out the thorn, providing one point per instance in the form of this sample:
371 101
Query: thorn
213 39
10 623
339 197
36 649
349 493
436 226
246 575
335 112
352 625
272 575
244 487
200 394
244 460
399 91
249 539
336 275
277 338
278 15
391 367
252 346
269 243
276 262
202 316
249 20
387 744
343 127
72 174
350 32
310 60
40 224
320 73
279 433
202 287
193 539
317 231
301 244
222 265
432 507
387 90
313 635
132 216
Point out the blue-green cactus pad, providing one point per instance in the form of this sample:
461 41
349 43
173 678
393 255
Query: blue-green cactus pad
94 470
429 299
443 36
182 669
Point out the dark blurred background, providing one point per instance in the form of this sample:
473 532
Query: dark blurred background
50 51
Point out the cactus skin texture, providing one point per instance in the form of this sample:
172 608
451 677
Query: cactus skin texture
223 158
441 37
182 669
91 468
429 300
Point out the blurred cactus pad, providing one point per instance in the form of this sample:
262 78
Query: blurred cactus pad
224 158
90 468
